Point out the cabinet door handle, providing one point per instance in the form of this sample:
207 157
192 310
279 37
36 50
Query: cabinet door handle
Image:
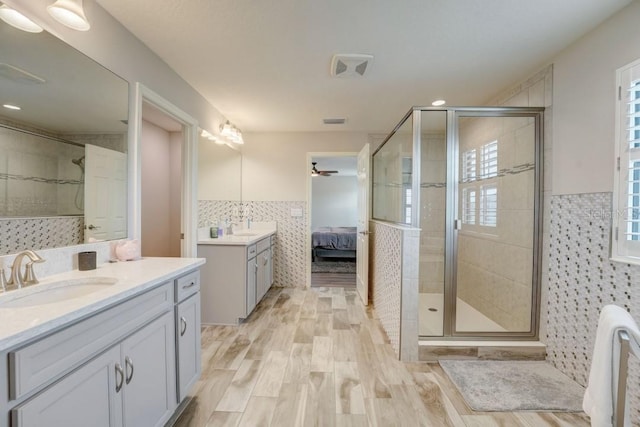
266 260
190 285
128 363
183 322
119 373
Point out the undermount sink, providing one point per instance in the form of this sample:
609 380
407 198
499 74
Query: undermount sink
63 290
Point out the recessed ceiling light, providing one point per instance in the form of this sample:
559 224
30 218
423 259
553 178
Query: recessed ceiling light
18 20
11 107
438 102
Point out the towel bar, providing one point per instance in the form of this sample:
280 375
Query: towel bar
621 397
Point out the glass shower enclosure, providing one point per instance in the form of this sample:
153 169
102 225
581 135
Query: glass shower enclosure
471 180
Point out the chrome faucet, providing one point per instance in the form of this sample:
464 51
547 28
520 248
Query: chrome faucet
29 277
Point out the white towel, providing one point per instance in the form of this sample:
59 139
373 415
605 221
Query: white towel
600 394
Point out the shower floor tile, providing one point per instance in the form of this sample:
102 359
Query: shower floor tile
468 319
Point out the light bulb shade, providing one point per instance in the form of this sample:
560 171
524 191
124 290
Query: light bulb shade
18 20
239 139
226 130
69 13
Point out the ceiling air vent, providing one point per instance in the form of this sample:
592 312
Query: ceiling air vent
334 121
350 65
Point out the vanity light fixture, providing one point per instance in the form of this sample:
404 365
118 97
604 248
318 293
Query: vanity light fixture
438 102
11 107
18 20
211 137
69 13
231 132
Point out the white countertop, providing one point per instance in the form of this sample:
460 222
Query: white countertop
18 325
245 238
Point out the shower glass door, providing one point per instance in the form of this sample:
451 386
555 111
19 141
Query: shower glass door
433 192
494 239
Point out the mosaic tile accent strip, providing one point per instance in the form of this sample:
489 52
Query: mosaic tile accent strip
40 233
290 251
582 280
216 210
386 278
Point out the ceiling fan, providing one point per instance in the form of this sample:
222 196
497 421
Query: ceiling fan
316 172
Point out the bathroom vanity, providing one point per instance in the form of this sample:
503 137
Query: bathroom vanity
237 275
119 345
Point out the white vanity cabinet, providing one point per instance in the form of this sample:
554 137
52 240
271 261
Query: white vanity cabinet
252 271
89 393
148 362
127 365
234 279
188 332
263 270
130 384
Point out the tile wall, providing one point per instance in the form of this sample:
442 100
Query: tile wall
291 255
385 276
19 234
38 178
581 281
393 277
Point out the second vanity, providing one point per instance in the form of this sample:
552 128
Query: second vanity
119 345
237 274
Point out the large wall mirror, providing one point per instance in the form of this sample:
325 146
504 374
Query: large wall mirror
219 182
63 153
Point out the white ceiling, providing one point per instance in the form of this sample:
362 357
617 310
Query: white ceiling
265 64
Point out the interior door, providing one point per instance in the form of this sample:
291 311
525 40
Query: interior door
105 194
362 245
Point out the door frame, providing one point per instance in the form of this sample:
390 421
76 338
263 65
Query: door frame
310 156
189 196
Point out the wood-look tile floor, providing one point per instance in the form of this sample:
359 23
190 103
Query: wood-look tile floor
318 357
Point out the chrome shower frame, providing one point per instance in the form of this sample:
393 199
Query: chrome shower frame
452 214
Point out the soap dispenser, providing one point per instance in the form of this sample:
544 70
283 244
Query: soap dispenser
213 229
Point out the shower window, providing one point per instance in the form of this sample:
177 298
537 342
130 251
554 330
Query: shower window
489 205
407 205
469 166
468 206
489 160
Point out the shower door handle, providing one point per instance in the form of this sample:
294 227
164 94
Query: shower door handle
457 224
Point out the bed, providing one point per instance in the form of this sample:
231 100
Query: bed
333 242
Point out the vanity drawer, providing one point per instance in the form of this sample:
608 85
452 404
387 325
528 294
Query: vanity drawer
251 251
264 244
45 360
187 285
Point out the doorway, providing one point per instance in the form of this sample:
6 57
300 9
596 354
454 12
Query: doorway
333 200
161 143
163 131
